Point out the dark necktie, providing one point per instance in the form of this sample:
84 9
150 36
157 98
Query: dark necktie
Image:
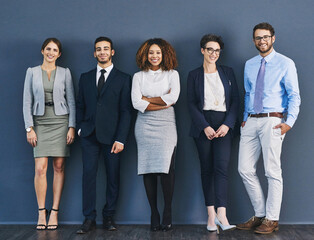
259 88
101 80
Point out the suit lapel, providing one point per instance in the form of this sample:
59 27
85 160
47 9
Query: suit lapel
92 82
38 77
225 82
201 85
57 77
109 80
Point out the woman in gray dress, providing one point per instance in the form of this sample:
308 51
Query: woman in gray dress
154 90
49 116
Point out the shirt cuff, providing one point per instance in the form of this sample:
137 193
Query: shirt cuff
119 142
245 117
290 122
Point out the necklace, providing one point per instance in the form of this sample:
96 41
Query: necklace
216 102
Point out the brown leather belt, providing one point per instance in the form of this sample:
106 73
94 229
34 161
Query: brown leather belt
271 114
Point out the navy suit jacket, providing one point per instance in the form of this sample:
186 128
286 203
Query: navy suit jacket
195 92
109 114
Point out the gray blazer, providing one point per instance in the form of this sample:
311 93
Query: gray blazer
34 96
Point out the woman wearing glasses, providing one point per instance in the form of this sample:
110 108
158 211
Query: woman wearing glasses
213 101
49 116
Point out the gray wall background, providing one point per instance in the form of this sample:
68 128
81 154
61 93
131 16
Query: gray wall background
25 24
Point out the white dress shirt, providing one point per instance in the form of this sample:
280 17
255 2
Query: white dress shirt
214 93
98 73
155 84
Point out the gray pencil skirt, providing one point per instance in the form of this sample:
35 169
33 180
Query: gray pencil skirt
156 138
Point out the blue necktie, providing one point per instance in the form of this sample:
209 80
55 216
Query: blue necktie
259 88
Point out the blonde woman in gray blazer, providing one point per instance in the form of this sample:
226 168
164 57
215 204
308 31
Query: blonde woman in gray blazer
49 116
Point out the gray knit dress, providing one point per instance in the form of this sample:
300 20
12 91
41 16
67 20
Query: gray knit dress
51 129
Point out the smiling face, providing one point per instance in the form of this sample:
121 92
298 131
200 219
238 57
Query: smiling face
103 53
210 58
265 44
154 56
51 53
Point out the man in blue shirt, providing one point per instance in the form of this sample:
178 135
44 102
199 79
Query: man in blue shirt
271 93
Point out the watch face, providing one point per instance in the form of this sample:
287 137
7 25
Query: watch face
28 129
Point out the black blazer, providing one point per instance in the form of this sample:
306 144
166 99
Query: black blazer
195 93
109 114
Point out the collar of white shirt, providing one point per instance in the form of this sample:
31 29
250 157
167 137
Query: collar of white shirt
154 72
108 69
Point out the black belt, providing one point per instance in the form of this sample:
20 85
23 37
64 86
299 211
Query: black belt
271 114
49 103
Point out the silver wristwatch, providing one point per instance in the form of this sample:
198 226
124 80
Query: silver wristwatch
29 129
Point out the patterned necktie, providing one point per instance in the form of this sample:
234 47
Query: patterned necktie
259 88
101 80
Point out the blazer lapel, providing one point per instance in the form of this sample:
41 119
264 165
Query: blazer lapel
92 82
38 78
108 80
57 77
201 85
225 82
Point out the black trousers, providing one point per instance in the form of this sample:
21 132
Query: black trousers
91 151
167 185
214 158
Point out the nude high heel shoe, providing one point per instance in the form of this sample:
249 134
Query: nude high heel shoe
223 227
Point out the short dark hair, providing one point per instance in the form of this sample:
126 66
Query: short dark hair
54 40
211 38
169 59
266 26
100 39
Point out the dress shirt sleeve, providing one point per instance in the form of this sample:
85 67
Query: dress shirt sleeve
247 89
136 94
28 99
172 97
70 97
293 94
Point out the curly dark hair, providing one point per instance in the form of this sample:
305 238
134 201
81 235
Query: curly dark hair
169 59
211 38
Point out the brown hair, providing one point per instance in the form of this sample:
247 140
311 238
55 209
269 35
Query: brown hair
169 59
54 40
265 26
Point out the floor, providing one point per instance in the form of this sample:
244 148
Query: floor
124 232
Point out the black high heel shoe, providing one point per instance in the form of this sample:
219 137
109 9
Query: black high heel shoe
54 226
166 228
39 226
155 223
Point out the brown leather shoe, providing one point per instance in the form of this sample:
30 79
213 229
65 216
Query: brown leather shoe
252 223
267 227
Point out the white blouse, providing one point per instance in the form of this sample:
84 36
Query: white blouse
155 84
214 93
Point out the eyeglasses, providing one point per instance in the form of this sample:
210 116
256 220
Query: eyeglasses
211 51
265 38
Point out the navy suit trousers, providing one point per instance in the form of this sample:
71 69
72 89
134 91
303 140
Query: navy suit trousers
92 149
214 158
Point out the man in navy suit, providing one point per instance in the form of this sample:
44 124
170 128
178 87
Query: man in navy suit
103 120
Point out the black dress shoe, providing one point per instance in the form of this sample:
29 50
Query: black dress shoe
109 224
166 228
87 226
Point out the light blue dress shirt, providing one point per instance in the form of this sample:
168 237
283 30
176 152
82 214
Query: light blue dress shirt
281 88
